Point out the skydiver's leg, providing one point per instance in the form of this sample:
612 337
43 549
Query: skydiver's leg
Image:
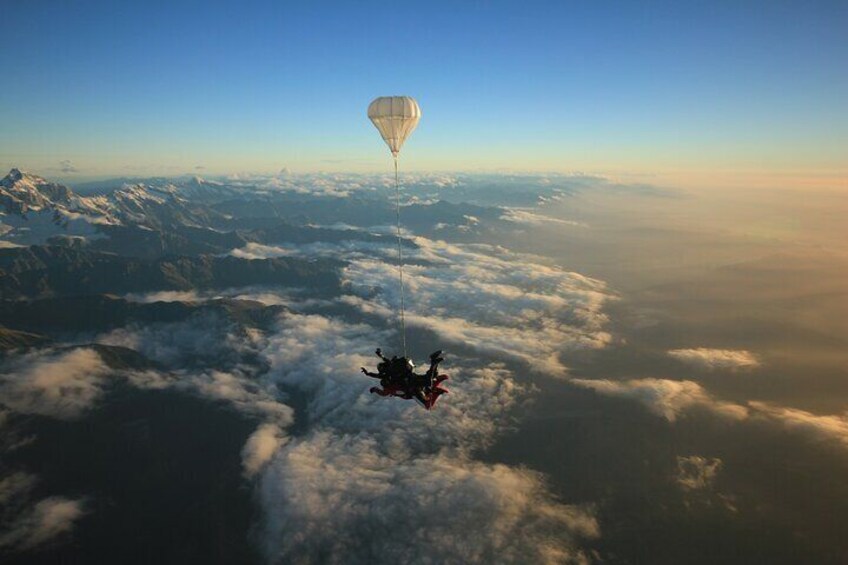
437 392
419 396
435 359
380 391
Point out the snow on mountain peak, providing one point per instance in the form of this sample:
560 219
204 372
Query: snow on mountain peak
16 176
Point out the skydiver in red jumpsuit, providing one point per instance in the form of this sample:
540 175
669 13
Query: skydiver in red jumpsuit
397 378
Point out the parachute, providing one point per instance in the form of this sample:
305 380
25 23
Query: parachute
396 117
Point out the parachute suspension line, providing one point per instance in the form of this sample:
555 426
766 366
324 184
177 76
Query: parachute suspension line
400 258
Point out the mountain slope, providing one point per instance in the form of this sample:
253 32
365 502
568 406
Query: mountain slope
27 272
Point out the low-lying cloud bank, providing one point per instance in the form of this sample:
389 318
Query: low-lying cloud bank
716 359
377 480
666 398
672 400
53 383
362 478
46 520
24 525
347 498
481 297
530 217
829 428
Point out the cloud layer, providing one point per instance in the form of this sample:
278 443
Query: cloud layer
481 297
46 520
53 383
672 399
666 398
695 472
715 359
377 480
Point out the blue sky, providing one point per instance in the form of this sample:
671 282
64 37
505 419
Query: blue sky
164 87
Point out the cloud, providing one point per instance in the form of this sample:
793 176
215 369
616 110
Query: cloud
260 447
321 357
46 520
367 468
671 399
240 391
166 296
833 428
261 251
346 499
525 216
716 359
51 383
666 398
695 472
15 486
485 298
359 467
65 166
204 339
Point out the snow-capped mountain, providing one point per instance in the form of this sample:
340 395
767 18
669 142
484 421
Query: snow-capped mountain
34 210
24 192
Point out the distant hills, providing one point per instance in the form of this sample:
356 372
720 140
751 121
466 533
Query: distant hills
161 218
43 271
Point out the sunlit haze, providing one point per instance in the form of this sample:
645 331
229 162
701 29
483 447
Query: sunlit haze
595 311
708 94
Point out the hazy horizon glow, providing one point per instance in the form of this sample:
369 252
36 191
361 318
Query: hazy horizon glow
696 95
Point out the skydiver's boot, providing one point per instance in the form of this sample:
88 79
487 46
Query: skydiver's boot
434 396
435 359
425 402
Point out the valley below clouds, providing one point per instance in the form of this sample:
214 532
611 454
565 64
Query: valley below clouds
610 377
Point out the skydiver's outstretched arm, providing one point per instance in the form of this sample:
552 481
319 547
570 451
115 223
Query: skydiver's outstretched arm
369 373
379 353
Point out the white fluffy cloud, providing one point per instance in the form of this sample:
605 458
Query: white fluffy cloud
482 297
165 296
360 467
385 471
260 447
671 399
832 428
53 383
345 498
239 391
529 217
46 520
201 338
666 398
713 359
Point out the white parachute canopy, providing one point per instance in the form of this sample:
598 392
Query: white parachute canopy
395 117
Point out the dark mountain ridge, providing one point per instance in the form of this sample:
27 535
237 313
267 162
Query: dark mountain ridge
44 271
